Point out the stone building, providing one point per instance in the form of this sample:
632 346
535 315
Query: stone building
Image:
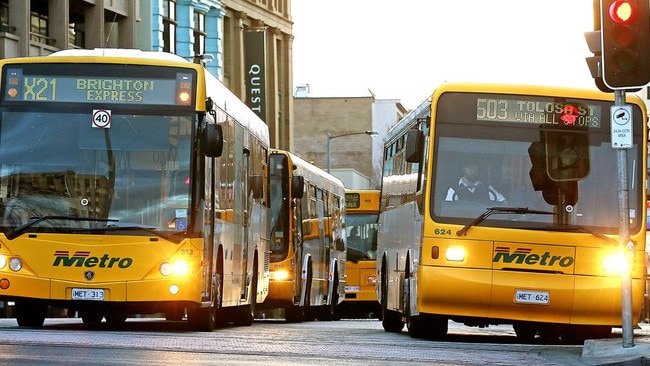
348 121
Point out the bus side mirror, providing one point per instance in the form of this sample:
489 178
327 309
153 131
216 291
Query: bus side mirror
414 143
297 186
256 183
212 140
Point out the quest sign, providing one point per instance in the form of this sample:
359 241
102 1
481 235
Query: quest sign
255 75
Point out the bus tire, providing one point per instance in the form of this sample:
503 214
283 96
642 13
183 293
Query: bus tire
246 315
525 331
91 316
390 320
294 314
175 314
577 334
116 318
204 319
30 314
330 311
308 310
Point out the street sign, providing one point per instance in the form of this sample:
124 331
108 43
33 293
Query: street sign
621 123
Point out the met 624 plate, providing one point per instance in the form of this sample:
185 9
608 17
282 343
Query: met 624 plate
96 294
532 297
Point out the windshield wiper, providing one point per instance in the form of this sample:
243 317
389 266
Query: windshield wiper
582 229
20 230
500 210
169 237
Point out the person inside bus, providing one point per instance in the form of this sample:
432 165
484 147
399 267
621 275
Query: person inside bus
354 239
471 188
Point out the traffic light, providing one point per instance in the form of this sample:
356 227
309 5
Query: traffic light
625 38
558 161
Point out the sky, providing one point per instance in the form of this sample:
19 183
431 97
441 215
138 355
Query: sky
403 49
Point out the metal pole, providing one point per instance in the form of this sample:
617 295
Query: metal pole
329 152
624 234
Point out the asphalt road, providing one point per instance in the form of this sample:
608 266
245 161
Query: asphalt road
349 342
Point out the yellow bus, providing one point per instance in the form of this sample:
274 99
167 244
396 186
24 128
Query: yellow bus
362 210
496 208
306 223
130 183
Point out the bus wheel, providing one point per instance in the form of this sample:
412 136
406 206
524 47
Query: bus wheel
577 334
91 316
202 319
30 314
246 315
525 331
330 311
294 314
390 320
175 314
308 311
116 318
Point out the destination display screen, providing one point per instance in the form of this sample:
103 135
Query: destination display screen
171 89
567 113
352 200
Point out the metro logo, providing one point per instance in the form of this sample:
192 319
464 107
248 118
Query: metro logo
83 259
524 256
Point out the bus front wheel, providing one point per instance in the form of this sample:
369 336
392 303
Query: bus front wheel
30 314
390 320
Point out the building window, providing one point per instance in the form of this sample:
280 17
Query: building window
169 26
199 33
4 15
38 22
76 35
76 30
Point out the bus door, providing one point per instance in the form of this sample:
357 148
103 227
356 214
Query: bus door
242 200
248 205
323 244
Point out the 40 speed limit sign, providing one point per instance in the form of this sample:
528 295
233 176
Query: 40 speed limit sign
101 118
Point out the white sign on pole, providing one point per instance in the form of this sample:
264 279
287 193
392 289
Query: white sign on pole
621 122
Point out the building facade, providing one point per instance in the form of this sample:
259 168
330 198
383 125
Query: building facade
188 28
346 120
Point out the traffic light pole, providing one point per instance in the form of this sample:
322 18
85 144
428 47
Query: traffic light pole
624 235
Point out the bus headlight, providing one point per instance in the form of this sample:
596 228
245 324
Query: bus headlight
455 254
3 261
179 268
616 263
280 275
371 280
15 264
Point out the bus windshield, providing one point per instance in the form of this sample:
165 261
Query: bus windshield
56 163
279 198
522 153
362 236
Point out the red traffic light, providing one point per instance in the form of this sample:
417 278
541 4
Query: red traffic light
622 11
625 40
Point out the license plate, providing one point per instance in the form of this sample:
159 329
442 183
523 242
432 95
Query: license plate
532 297
87 294
352 288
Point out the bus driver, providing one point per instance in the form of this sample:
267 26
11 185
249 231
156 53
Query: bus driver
470 188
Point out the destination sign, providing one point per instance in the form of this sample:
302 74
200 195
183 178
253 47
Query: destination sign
538 112
352 200
106 90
